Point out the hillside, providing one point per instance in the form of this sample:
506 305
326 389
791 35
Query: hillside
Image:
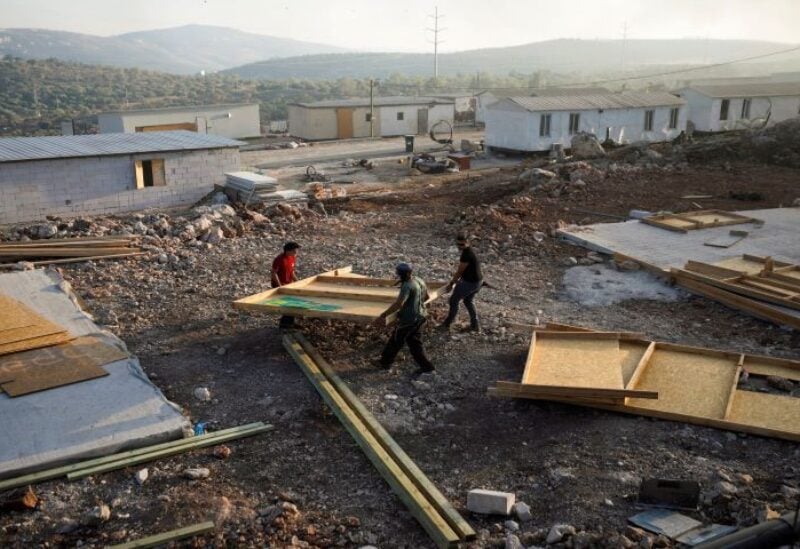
35 95
557 55
180 50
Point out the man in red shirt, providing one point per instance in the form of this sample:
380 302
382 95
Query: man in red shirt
283 273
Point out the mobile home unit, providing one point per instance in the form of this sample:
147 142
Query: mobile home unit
236 121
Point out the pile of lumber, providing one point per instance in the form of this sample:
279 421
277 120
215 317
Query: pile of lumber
425 502
66 250
630 374
765 288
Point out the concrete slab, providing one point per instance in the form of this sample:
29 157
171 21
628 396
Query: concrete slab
665 249
121 411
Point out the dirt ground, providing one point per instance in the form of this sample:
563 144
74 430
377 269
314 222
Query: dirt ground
572 465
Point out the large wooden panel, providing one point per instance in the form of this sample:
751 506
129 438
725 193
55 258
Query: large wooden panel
687 383
766 411
574 360
40 369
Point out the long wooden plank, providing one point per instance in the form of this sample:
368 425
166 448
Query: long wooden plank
61 252
525 389
343 293
753 289
758 309
166 537
73 260
732 392
461 527
166 452
503 393
430 519
57 472
70 243
641 366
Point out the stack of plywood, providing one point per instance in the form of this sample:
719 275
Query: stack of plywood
36 354
626 373
765 288
66 250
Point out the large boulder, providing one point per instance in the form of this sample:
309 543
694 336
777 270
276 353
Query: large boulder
585 145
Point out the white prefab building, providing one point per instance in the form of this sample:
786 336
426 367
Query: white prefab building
236 121
70 176
490 97
348 118
721 107
538 123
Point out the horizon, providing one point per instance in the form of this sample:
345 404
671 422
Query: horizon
466 22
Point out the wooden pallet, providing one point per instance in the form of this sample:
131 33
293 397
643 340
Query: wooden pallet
693 384
338 294
700 219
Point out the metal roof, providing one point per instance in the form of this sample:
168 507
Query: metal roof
190 108
543 92
18 149
756 89
387 101
625 100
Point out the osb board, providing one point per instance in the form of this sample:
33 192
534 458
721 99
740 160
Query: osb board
40 369
14 335
574 361
741 264
14 314
630 353
764 368
687 383
766 410
35 343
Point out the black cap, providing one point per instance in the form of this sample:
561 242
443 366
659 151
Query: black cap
289 246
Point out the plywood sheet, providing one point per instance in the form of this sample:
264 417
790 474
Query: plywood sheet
630 353
687 383
36 370
575 362
14 314
766 410
35 343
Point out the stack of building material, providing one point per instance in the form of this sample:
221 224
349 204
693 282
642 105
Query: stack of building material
249 187
626 373
761 286
66 250
85 397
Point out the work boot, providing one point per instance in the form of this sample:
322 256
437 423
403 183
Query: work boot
377 363
475 328
421 371
443 327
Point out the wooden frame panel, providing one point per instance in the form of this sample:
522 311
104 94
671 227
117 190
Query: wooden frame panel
338 294
700 219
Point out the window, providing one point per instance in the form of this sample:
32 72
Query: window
723 109
648 120
401 116
746 108
368 117
150 173
673 117
574 122
544 125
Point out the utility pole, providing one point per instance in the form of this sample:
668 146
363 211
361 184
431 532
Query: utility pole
371 108
436 30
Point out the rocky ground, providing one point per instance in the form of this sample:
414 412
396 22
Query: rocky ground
306 483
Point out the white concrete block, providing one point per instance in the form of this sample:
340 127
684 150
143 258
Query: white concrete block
489 502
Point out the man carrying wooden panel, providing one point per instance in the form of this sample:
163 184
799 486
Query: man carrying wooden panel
283 273
411 316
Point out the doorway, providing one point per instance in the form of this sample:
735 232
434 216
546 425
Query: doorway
422 121
344 123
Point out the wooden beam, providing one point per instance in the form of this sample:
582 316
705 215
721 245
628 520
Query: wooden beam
166 452
583 334
734 386
533 390
73 260
60 251
49 474
166 537
310 291
430 519
437 499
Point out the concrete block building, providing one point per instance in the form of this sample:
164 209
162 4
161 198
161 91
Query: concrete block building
70 176
348 118
237 121
538 123
720 107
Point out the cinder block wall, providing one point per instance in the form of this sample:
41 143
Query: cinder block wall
71 187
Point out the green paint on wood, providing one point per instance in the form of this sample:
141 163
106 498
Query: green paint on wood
298 303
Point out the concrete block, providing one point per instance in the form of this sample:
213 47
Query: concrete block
489 502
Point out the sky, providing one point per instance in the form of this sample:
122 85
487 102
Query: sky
392 25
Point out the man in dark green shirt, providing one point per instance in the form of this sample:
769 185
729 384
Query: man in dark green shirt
411 316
